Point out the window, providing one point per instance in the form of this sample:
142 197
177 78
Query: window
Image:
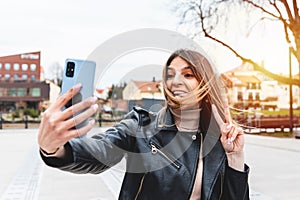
0 66
16 77
257 96
7 77
32 67
16 66
33 77
21 92
24 76
7 66
36 92
240 96
250 96
24 67
12 92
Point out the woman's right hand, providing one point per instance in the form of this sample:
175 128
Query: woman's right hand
56 125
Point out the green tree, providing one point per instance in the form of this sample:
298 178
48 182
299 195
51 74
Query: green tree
116 91
31 112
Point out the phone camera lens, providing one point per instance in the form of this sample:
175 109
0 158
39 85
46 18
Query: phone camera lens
70 69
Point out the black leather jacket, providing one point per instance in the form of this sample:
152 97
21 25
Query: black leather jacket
161 162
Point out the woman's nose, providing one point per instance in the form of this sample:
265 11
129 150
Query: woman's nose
177 79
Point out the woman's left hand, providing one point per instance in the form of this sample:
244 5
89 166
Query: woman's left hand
232 136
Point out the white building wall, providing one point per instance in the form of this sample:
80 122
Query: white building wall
154 95
284 97
131 92
232 95
269 89
54 92
296 92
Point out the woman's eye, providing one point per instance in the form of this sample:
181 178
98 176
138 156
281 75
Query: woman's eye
189 75
170 76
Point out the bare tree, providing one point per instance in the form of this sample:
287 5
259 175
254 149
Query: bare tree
54 72
207 15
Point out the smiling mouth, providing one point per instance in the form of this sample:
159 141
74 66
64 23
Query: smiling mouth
179 93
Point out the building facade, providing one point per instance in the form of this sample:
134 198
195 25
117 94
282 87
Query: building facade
248 88
20 84
146 94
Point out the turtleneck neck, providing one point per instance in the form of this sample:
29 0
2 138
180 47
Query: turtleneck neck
187 120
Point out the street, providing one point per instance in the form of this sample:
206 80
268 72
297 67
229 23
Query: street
274 174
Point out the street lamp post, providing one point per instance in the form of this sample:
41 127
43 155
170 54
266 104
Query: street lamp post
291 89
0 119
1 116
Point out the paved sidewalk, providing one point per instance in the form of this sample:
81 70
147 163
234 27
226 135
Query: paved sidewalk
275 166
274 163
25 177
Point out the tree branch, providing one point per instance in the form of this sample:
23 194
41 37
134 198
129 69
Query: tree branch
280 13
260 8
296 10
209 16
279 78
288 10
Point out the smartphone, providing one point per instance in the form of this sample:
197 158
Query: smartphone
78 71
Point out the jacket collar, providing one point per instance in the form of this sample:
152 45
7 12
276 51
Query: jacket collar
213 152
165 120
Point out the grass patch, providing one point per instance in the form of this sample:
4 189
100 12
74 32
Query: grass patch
283 112
277 134
279 112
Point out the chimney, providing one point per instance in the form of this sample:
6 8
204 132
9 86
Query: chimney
262 63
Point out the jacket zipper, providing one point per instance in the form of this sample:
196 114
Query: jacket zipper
140 188
156 150
200 156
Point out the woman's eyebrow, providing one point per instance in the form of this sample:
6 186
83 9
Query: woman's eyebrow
184 68
170 68
187 68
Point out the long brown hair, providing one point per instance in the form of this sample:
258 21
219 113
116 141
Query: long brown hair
211 86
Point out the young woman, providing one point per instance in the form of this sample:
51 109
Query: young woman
191 149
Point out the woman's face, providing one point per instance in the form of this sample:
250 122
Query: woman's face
180 78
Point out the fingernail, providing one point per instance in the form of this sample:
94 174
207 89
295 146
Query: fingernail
231 139
92 122
228 141
77 86
228 126
95 107
93 99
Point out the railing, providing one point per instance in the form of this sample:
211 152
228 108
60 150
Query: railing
277 123
19 122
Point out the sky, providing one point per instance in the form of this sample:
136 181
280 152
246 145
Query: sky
75 28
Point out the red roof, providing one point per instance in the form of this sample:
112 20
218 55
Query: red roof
100 91
241 80
148 86
243 67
